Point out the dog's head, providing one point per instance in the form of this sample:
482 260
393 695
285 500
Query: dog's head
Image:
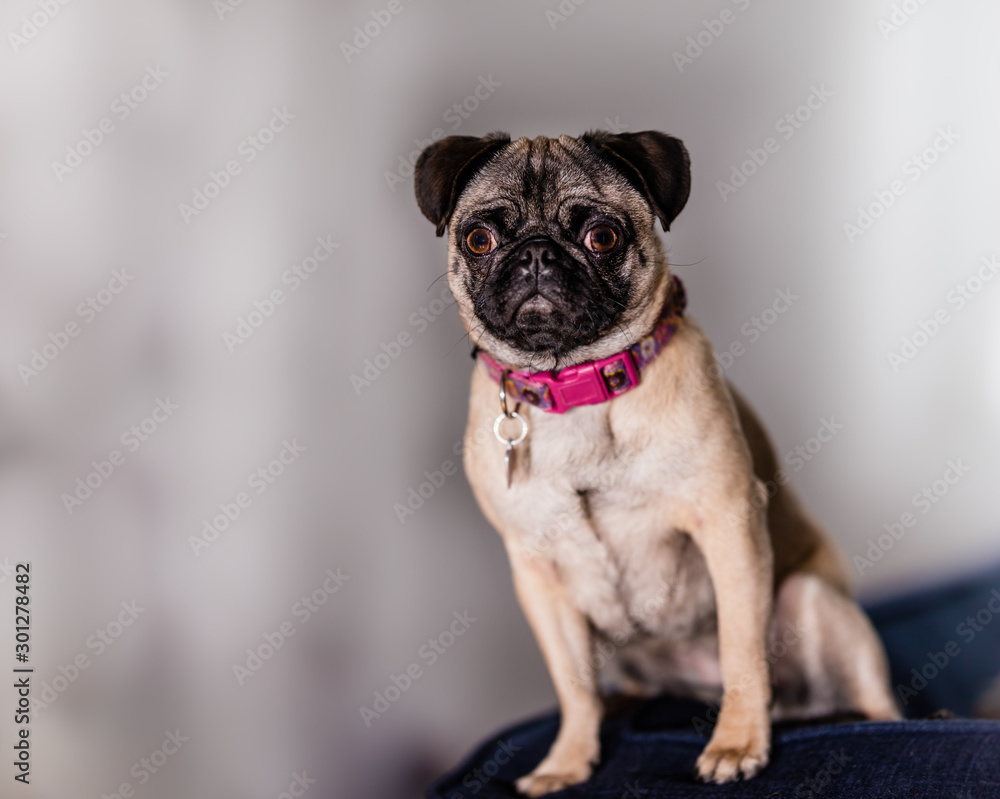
553 257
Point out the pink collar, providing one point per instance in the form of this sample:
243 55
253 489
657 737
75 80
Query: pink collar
594 381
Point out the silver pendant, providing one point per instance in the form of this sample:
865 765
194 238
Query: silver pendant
509 443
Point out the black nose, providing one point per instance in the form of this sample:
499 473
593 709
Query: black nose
537 256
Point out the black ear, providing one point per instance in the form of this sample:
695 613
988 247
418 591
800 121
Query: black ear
445 168
656 164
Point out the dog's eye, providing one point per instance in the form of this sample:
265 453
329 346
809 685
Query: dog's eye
480 241
600 239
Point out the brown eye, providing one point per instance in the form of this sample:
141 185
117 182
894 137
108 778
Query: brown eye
600 239
480 241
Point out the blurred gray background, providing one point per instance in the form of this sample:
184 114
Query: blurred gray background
345 112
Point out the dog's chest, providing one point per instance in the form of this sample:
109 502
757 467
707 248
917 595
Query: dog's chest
623 556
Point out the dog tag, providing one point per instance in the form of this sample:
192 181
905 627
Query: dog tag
510 443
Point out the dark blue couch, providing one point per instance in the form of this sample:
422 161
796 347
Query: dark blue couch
944 650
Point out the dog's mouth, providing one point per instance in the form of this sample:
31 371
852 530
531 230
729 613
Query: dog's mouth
535 312
539 326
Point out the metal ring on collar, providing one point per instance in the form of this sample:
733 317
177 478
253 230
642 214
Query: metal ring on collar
510 442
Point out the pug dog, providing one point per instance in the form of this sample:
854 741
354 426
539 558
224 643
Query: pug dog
635 491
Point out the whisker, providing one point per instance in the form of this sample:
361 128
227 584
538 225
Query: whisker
625 334
449 352
700 260
435 280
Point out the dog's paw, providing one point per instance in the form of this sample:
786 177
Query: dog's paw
566 764
570 761
719 764
545 780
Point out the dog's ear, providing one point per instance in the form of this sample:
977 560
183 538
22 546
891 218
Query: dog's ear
444 169
656 164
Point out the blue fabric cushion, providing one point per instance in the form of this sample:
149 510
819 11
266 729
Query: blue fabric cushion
944 652
943 644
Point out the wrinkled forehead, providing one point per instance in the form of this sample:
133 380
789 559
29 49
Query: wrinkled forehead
549 179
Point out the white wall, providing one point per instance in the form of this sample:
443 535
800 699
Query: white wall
325 175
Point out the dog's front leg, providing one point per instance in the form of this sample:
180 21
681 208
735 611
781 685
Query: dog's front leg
740 561
563 635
